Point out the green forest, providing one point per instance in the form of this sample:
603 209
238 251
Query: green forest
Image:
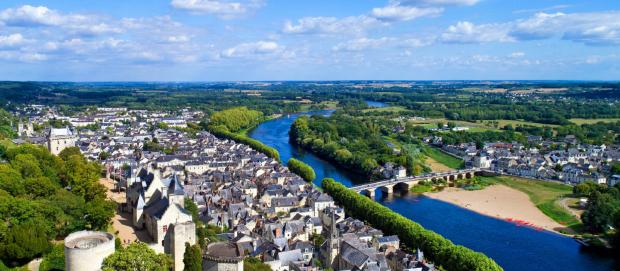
352 143
44 198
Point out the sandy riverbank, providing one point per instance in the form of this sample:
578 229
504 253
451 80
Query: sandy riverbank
501 202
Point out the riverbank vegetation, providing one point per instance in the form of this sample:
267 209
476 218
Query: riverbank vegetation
44 197
302 169
228 124
602 214
436 248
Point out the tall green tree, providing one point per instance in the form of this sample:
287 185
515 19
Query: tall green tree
192 258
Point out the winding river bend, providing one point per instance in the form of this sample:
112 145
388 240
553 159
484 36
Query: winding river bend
514 248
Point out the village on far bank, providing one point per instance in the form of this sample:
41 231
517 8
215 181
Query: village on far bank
255 207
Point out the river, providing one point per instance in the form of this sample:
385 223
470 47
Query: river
514 248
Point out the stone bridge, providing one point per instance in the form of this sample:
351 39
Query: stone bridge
404 184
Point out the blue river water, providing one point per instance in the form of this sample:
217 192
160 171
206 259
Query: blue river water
512 247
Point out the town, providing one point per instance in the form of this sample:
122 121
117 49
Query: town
567 161
260 209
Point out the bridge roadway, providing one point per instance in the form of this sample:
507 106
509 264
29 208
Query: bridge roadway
387 186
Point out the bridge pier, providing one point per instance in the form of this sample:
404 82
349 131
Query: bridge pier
370 192
387 189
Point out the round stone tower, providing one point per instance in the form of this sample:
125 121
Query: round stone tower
85 250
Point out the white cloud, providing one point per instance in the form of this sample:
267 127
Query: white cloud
12 40
331 25
440 2
466 32
224 9
600 28
76 24
22 56
31 16
178 38
362 44
517 55
252 49
396 12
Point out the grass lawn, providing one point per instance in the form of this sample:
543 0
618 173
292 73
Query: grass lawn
418 188
591 121
545 196
443 158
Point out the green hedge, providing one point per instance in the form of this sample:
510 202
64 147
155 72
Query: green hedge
302 169
222 131
437 248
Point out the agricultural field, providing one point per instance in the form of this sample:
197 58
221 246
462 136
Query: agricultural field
592 121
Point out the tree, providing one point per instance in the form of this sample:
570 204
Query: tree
192 258
23 242
98 213
68 152
136 256
601 211
302 169
27 165
54 260
11 180
615 167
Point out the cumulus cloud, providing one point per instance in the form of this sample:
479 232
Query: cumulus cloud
252 49
600 28
396 12
224 9
76 24
56 35
32 16
466 32
11 41
330 25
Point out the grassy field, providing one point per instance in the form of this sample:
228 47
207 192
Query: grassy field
591 121
443 158
436 166
474 127
545 196
515 123
392 109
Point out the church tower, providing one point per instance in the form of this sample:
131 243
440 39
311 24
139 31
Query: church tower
334 243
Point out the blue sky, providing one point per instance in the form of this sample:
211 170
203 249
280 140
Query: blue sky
227 40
